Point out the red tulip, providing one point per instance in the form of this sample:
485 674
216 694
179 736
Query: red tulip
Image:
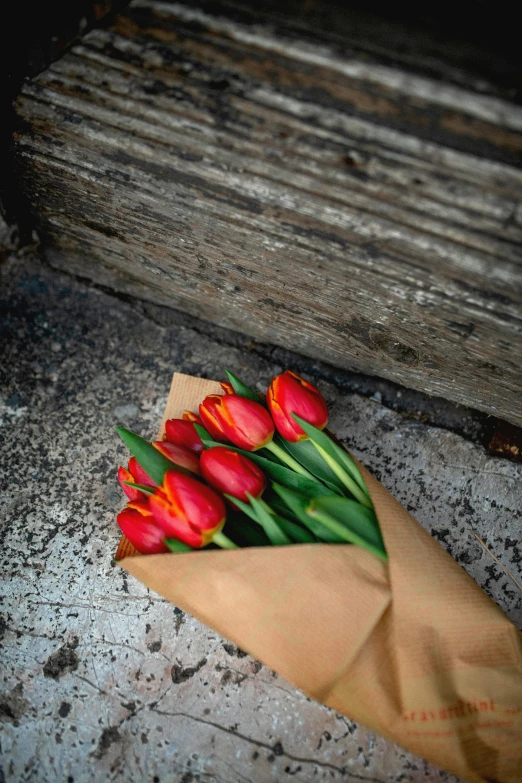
193 417
227 387
182 433
232 473
289 393
141 505
125 475
209 419
137 524
180 455
138 474
187 510
245 423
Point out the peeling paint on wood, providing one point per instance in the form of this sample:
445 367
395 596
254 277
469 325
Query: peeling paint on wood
321 201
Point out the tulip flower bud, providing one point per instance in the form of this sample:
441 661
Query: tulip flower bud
193 417
138 474
125 475
179 455
182 433
137 524
289 393
232 473
245 423
187 510
209 419
227 387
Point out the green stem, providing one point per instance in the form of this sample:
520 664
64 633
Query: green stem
347 480
351 467
268 521
225 543
290 461
266 506
331 524
342 532
177 546
288 528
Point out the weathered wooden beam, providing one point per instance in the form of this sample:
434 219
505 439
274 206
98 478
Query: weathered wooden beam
354 211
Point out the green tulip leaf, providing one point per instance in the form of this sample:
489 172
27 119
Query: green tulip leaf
268 522
153 462
203 433
273 532
307 455
357 524
244 507
298 505
243 390
338 460
296 532
238 528
142 487
177 546
277 505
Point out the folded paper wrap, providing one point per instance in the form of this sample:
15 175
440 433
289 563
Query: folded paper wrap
412 648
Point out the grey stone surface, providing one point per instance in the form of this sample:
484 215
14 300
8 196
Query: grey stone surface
101 680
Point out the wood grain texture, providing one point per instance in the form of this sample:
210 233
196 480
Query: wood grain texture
315 198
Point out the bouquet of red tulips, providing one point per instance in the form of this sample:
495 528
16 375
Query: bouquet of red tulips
310 565
180 488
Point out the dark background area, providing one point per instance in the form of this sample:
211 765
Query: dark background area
481 35
33 35
443 40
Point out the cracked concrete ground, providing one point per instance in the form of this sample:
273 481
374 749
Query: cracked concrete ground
102 680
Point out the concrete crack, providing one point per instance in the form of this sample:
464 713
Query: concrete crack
271 748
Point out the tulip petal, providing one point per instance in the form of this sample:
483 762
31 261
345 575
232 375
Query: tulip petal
200 504
141 505
172 523
193 417
138 474
179 455
288 393
227 387
187 510
142 532
182 433
230 472
245 422
125 478
286 426
209 417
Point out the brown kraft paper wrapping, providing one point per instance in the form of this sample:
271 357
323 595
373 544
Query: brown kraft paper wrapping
412 648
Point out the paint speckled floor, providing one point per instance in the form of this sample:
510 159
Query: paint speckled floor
101 680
